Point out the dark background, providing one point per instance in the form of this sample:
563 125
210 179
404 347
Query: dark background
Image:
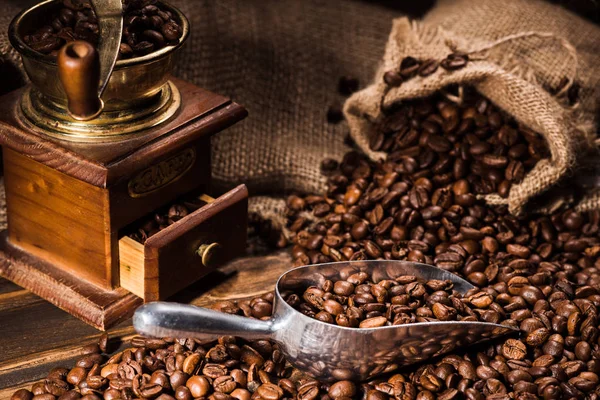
589 9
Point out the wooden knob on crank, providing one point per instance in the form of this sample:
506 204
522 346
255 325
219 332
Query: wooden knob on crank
79 73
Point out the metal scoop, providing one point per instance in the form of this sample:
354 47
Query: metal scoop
324 350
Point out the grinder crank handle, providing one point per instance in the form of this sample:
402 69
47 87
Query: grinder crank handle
163 319
79 73
85 71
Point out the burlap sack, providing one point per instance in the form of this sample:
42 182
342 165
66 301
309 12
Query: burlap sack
517 49
281 59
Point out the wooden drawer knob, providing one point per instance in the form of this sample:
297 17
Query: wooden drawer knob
209 254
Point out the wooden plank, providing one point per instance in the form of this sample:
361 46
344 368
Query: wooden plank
7 286
18 299
19 374
13 296
39 336
45 328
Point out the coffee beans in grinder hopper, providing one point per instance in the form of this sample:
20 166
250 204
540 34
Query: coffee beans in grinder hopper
147 27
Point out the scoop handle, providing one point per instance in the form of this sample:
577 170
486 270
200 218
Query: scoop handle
163 319
79 73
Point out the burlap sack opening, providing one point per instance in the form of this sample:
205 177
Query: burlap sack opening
517 49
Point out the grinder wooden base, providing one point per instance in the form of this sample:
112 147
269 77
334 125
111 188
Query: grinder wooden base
96 306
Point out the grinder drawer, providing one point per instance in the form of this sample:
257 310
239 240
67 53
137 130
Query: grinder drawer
187 250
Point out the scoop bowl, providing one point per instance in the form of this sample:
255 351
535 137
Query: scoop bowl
326 351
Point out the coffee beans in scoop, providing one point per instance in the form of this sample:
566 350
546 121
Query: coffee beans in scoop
358 302
147 26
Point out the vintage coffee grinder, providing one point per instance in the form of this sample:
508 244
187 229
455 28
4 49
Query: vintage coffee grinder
93 145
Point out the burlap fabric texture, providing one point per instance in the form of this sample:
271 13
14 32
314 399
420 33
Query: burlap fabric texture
517 49
282 60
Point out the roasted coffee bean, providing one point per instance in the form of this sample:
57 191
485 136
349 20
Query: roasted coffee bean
58 373
241 394
183 393
455 61
428 67
393 78
74 395
335 114
47 45
514 349
438 143
342 389
171 31
347 85
22 394
198 386
269 391
76 375
409 67
103 343
144 47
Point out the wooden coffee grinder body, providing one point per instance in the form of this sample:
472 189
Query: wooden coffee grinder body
69 203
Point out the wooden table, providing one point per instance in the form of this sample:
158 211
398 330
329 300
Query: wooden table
35 336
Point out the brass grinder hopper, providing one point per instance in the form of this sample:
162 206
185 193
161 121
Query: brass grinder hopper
87 94
96 147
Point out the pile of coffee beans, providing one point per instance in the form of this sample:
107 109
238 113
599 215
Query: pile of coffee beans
556 359
185 369
147 27
162 218
539 273
181 369
358 302
448 142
